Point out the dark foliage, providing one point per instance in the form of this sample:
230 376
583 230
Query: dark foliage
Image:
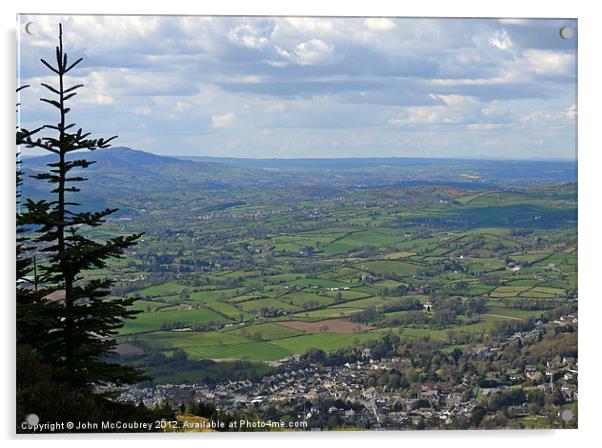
41 391
85 324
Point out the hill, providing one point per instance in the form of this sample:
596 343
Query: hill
121 172
118 158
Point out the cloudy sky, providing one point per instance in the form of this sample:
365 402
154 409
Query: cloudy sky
315 87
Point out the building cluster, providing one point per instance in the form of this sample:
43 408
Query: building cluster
301 389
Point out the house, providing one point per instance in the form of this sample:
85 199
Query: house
568 360
454 399
369 392
403 362
350 413
430 395
259 400
517 410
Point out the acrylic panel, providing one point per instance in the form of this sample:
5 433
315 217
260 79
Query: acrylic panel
296 223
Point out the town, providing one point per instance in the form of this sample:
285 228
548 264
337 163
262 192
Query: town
353 395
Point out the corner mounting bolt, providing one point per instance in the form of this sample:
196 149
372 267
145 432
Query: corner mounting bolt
31 28
566 32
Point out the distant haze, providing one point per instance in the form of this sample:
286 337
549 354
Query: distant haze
270 87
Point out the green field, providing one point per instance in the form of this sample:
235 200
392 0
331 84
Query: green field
152 321
305 299
326 313
164 340
266 331
258 351
271 260
389 267
325 341
259 304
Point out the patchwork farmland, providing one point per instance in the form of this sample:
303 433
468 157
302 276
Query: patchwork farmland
326 277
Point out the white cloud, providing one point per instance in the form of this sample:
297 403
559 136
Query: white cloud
548 63
571 112
458 110
247 36
304 73
556 118
221 121
142 110
495 109
379 24
250 79
276 106
538 116
309 24
505 76
103 100
181 106
311 52
486 126
136 82
455 109
501 40
515 21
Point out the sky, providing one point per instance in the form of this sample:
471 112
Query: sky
294 87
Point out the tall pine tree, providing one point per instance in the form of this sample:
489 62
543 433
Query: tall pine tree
35 314
87 319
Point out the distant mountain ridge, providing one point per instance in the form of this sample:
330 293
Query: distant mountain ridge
129 170
122 171
122 157
117 157
364 162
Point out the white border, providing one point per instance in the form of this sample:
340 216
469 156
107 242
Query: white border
590 222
